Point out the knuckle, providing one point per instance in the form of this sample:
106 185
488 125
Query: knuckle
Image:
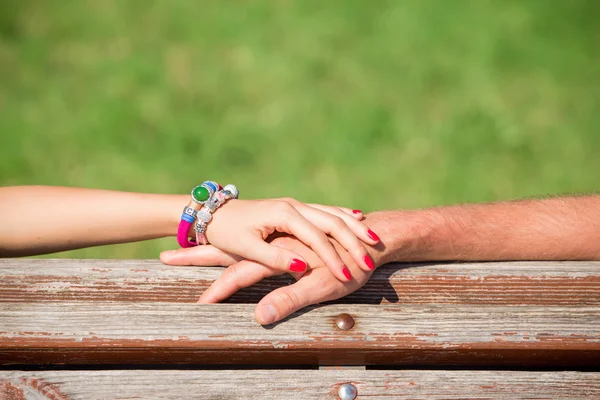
289 299
321 239
213 252
216 256
231 277
284 208
279 259
332 290
338 223
360 251
285 242
289 200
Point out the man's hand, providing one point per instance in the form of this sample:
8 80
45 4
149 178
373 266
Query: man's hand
314 286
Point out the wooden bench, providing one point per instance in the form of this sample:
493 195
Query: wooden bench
108 329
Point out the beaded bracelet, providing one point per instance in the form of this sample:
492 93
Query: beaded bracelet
200 195
204 216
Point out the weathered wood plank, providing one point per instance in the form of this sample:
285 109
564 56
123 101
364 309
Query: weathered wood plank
171 333
296 384
522 283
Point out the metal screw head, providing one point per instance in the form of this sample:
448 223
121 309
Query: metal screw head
347 391
344 321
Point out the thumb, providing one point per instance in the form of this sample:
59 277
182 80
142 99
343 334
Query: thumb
283 301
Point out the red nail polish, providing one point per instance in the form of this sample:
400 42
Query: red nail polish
356 212
346 273
297 265
369 262
373 235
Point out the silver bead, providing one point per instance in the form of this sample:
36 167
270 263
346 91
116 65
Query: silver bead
204 216
347 391
199 227
211 205
233 189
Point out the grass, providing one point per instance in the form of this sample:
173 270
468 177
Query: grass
367 104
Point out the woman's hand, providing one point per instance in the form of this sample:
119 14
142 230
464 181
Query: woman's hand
315 286
240 228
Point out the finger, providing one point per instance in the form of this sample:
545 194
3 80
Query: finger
337 228
309 290
287 218
351 217
238 276
360 229
199 256
355 214
275 257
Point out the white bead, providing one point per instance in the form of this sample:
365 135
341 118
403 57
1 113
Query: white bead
204 216
234 190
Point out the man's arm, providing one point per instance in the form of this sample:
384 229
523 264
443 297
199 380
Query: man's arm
562 228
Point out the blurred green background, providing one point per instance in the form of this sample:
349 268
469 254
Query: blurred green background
366 104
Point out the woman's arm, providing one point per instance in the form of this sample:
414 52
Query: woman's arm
46 219
40 219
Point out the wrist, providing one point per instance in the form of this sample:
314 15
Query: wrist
412 235
173 210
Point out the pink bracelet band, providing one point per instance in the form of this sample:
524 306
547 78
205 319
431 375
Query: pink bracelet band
182 234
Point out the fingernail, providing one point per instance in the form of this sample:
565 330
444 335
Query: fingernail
356 211
267 313
346 273
373 235
369 261
297 265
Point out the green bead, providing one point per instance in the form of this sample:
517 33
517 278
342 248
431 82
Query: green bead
200 194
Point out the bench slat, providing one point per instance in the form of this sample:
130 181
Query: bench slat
296 384
171 333
523 283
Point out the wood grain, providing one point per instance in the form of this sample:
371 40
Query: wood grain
171 333
296 384
142 312
515 283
